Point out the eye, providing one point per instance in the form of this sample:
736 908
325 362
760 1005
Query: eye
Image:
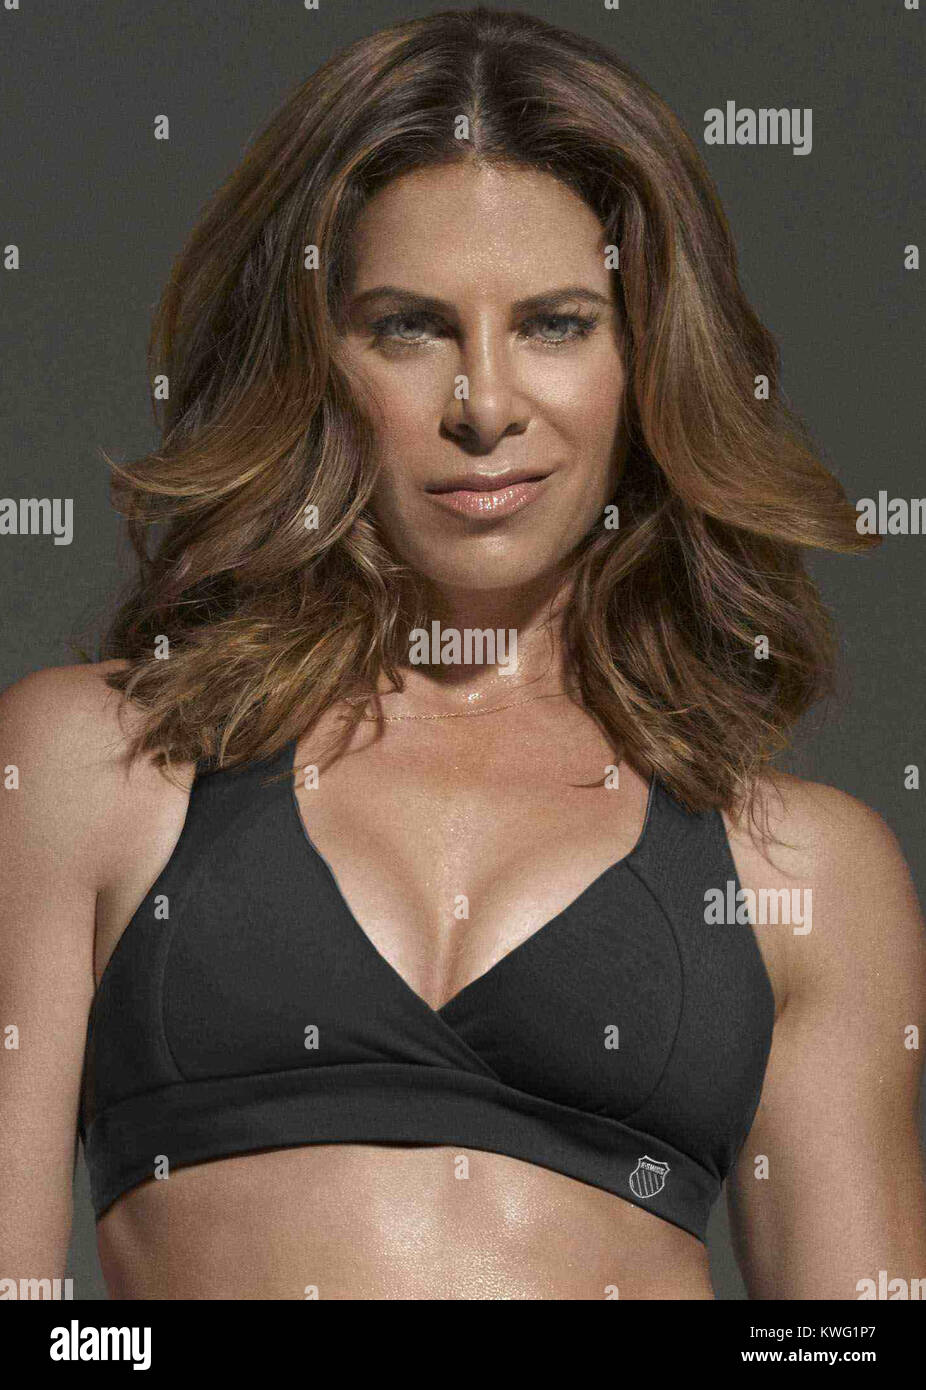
404 328
556 329
413 328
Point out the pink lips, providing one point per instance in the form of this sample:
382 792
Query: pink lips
488 497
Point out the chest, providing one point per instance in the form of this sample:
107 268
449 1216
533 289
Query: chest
616 1011
450 848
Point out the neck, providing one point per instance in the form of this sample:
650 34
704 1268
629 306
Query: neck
528 654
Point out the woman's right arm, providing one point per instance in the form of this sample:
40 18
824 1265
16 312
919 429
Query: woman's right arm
55 807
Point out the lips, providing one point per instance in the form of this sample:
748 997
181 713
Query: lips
487 482
488 496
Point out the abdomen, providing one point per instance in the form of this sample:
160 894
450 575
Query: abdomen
346 1221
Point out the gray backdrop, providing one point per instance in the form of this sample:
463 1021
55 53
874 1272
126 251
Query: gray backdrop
98 209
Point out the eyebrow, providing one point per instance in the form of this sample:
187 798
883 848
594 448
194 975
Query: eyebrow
547 299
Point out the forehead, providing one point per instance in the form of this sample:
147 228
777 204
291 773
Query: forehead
478 226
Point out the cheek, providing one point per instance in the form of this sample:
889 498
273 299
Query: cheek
578 391
407 421
588 413
605 414
406 444
593 394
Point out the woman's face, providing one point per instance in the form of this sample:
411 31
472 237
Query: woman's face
481 319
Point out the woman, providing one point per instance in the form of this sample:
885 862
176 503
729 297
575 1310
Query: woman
481 520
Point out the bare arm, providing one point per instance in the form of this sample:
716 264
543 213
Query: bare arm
50 732
845 1195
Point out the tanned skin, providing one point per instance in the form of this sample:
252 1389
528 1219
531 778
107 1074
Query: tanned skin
414 814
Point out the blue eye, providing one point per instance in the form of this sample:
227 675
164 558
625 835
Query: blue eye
411 328
566 327
392 326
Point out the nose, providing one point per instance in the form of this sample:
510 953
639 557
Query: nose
490 402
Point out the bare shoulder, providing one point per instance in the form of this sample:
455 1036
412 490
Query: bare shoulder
67 718
847 865
64 740
818 830
61 702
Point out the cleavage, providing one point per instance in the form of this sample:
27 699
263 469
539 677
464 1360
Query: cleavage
445 875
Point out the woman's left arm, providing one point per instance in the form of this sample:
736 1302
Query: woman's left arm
828 1197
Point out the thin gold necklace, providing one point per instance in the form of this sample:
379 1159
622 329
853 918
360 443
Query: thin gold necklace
455 714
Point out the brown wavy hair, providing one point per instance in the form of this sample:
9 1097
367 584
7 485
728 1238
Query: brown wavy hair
270 624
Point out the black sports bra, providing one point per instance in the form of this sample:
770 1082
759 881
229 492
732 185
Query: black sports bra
624 1043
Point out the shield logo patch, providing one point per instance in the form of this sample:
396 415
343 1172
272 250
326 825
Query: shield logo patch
648 1178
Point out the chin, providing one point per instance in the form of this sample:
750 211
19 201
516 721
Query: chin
482 573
